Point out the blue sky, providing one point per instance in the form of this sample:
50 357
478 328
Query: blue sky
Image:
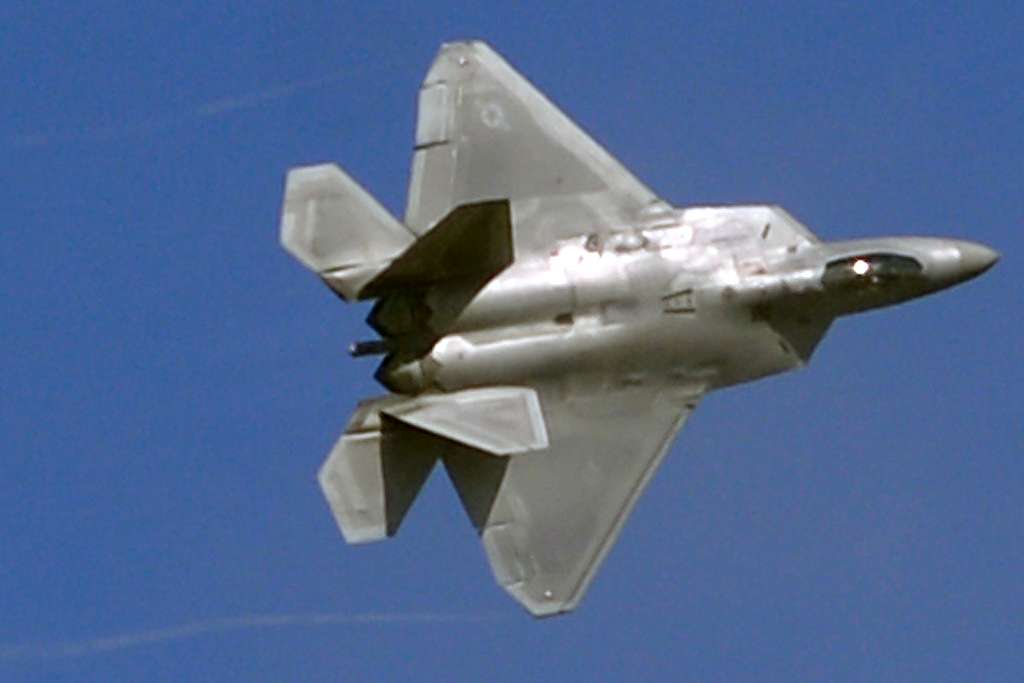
172 379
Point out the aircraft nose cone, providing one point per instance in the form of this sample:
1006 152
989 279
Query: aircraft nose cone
975 258
951 262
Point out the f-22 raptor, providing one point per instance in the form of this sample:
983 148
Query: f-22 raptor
548 324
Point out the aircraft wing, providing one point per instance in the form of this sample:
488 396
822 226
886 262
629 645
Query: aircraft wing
485 133
548 517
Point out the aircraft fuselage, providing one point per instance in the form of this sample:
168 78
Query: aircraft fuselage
702 293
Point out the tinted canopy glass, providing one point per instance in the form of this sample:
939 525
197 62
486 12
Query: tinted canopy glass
870 269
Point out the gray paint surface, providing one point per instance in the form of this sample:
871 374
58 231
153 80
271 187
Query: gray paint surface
552 390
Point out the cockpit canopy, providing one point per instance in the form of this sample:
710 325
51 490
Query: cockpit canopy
871 269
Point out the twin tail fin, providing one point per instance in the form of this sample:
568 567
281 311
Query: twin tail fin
337 229
378 466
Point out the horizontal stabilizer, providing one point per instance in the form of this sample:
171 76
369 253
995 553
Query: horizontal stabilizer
391 444
334 227
474 241
496 420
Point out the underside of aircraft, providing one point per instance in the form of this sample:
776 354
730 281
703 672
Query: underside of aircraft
548 324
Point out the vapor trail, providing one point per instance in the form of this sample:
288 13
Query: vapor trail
93 646
217 107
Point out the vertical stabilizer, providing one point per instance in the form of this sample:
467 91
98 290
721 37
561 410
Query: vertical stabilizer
374 473
391 445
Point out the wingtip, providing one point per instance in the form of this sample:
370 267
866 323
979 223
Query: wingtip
541 603
545 608
472 46
463 42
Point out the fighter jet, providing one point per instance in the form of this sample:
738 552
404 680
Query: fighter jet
548 324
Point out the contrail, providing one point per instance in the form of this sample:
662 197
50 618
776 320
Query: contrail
217 107
10 652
